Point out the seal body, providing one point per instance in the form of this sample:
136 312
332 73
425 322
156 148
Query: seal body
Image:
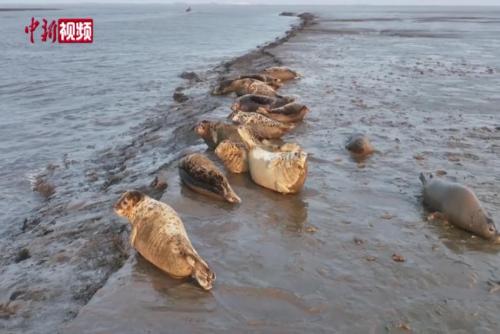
283 171
201 175
233 155
244 86
459 205
359 145
215 132
281 72
158 234
260 125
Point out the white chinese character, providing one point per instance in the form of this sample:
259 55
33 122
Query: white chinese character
87 31
79 31
67 31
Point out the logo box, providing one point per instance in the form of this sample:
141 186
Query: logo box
75 30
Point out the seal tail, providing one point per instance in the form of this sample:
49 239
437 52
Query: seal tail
202 273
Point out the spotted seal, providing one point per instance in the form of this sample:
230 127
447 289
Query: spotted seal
201 175
158 234
260 125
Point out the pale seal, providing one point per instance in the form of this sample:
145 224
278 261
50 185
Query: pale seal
201 175
459 205
280 72
158 234
261 126
282 171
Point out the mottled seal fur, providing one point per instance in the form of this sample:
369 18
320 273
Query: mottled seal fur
261 126
214 133
282 171
201 175
281 72
233 155
359 145
459 205
158 234
243 87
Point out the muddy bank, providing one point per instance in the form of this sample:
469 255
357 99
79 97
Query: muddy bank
68 247
354 252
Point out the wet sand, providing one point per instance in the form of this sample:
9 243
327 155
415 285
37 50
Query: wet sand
352 253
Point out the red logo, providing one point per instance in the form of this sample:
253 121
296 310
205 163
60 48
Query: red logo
73 30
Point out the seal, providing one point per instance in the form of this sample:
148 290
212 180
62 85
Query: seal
233 155
261 126
459 205
158 234
201 175
282 171
273 82
244 86
289 113
252 102
359 145
215 132
281 72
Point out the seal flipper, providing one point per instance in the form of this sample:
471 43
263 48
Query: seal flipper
201 272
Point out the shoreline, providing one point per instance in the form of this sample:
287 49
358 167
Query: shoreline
77 237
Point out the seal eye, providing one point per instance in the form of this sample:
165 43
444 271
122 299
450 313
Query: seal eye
491 229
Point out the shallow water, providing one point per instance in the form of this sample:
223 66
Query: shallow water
65 102
422 83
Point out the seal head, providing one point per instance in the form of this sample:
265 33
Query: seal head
125 206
